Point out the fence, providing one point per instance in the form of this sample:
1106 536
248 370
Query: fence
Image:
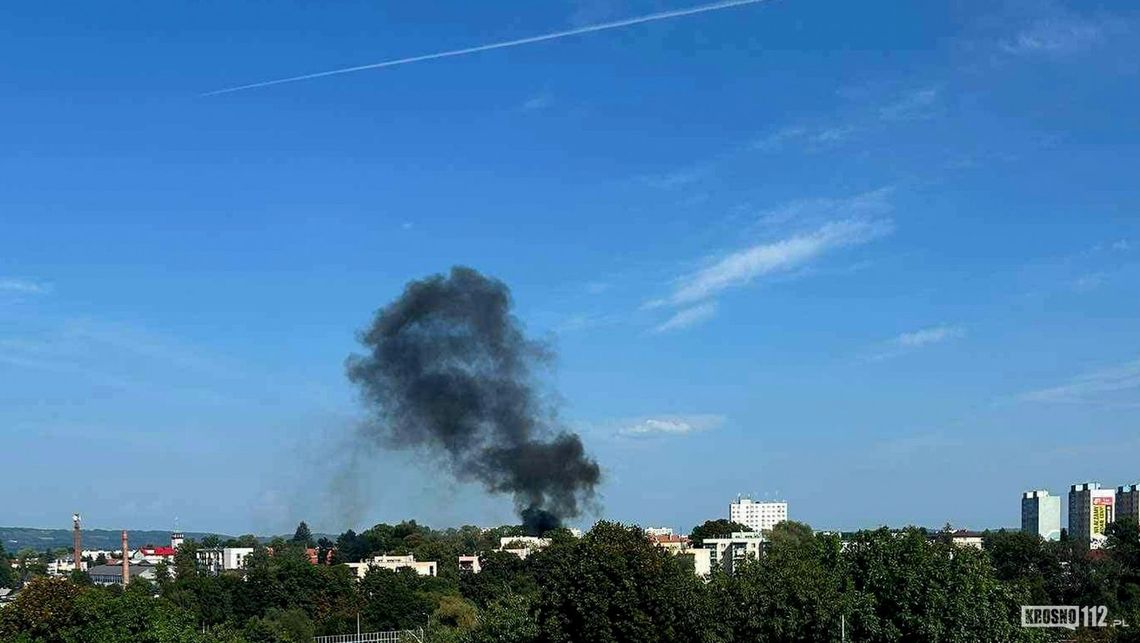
395 636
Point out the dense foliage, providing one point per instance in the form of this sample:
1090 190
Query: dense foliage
611 585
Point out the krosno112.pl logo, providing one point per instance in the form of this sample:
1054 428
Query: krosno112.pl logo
1067 616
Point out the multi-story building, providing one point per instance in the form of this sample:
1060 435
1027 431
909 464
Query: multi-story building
670 542
523 546
702 560
64 565
154 555
470 564
217 559
1128 503
113 574
757 516
395 563
680 546
1091 511
739 546
1041 514
658 531
966 538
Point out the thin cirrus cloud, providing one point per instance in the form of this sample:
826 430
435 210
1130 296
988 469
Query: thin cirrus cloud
813 139
1102 387
19 286
537 102
916 339
926 336
687 317
918 104
826 225
671 425
1059 35
745 266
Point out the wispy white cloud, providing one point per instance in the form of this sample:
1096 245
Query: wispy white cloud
834 134
670 425
820 210
588 321
810 229
744 266
537 102
777 139
687 317
1058 35
916 339
810 138
18 286
1098 387
913 105
1119 245
932 335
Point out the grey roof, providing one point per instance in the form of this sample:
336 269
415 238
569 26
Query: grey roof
115 570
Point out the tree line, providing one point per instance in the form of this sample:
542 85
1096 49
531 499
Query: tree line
612 585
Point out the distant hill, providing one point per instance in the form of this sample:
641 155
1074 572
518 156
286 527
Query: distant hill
17 538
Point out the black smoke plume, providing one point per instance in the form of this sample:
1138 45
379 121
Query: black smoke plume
449 369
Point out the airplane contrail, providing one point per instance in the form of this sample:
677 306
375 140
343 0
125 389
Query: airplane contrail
653 17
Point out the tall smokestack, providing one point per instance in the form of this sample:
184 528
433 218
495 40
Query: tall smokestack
126 561
449 370
76 542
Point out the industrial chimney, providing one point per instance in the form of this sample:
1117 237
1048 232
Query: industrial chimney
77 542
126 561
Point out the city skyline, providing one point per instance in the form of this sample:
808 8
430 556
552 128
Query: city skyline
879 261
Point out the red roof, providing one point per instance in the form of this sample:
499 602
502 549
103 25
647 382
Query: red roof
158 551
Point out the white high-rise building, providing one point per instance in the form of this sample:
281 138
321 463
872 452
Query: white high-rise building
1091 511
1041 514
757 516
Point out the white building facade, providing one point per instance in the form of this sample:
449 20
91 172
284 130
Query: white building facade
738 547
217 559
757 516
395 563
1041 514
522 546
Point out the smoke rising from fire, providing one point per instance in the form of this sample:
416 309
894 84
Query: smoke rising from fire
449 370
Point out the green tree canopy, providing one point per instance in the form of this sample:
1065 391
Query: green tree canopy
303 536
907 588
719 528
7 576
614 586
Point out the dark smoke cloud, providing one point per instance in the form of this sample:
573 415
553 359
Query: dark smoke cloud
449 369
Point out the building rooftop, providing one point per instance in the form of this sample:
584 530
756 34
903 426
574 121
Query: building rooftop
116 570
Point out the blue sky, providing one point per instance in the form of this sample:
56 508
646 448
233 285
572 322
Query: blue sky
880 259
